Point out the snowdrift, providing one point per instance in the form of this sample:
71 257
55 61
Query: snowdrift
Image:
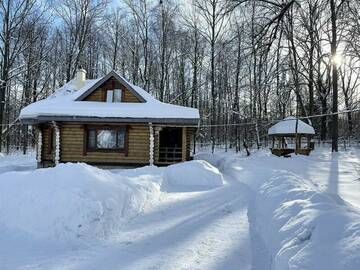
71 201
78 201
191 176
304 228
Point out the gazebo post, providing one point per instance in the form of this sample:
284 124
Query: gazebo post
297 143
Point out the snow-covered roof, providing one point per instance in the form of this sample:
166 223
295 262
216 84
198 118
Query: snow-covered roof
66 103
288 126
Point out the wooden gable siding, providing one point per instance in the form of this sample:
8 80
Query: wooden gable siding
72 146
100 93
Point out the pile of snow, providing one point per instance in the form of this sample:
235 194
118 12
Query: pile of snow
72 201
192 175
304 228
78 201
213 158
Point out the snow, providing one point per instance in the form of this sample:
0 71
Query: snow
63 103
262 212
306 228
17 162
71 201
298 220
203 176
288 126
82 201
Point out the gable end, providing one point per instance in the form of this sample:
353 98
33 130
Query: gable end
96 93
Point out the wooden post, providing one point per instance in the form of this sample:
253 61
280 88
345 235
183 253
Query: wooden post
151 145
297 143
39 147
57 144
183 156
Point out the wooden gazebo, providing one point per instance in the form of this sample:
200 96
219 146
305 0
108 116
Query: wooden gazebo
287 137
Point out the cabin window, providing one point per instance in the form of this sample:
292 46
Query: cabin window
106 139
114 95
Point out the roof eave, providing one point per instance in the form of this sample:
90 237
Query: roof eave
90 119
291 134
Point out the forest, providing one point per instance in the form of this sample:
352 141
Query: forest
244 63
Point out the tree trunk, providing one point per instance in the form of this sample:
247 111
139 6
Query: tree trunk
334 124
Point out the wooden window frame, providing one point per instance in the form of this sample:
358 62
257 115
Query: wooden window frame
124 149
113 87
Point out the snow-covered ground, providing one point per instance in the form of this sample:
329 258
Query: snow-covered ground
258 212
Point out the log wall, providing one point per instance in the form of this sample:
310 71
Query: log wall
72 148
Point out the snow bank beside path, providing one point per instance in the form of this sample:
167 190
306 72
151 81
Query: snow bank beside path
78 201
192 175
72 201
304 228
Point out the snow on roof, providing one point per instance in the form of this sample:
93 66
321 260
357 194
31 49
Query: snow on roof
288 126
63 102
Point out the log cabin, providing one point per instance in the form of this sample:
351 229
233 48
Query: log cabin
110 122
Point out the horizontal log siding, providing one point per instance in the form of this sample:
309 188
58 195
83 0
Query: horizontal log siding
72 146
100 95
97 95
45 153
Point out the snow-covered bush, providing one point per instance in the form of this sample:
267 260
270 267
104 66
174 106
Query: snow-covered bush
72 201
192 175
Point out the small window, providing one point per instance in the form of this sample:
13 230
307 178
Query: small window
109 95
106 139
113 95
117 95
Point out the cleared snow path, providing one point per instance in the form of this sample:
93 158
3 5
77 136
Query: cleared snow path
184 230
193 230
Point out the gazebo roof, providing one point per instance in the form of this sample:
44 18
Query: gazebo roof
288 127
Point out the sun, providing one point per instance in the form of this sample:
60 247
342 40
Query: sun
337 59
